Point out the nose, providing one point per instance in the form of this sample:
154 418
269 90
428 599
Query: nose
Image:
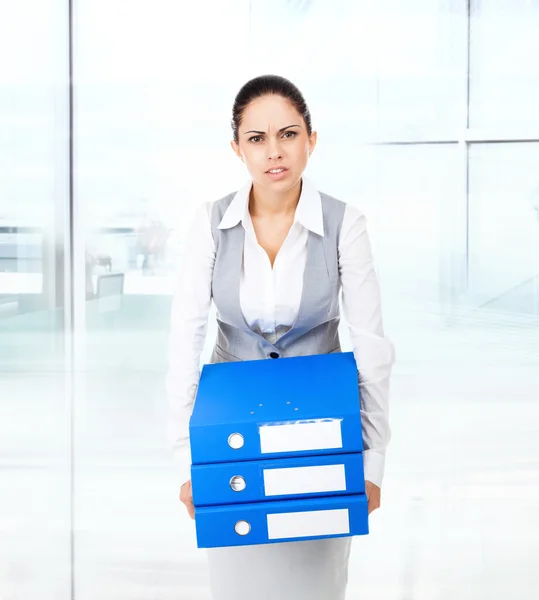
274 150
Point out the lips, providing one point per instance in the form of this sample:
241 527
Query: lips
276 169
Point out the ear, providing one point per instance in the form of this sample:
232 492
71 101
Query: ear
312 142
235 147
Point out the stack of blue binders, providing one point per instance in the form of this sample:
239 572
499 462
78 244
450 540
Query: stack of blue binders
276 448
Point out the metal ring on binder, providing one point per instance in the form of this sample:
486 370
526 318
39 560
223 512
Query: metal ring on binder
235 441
242 528
237 483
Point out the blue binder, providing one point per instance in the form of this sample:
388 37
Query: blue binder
276 449
261 409
277 479
287 521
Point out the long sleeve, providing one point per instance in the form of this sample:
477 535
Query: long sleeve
373 351
189 319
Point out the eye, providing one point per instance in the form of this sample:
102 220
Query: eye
292 133
254 138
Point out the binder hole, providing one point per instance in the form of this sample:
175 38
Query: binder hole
235 441
237 483
242 528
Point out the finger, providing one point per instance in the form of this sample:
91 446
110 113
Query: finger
185 495
374 503
189 507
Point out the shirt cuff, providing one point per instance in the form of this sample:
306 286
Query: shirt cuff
182 460
373 465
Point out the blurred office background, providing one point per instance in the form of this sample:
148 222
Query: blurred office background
114 126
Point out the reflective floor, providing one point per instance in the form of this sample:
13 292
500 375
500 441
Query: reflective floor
460 501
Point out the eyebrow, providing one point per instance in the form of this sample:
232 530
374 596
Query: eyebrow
263 132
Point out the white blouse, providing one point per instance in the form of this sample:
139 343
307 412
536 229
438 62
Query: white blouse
270 299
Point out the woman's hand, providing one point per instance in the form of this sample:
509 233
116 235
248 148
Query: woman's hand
186 496
373 495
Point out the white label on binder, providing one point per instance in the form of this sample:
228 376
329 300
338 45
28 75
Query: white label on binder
308 524
304 480
317 434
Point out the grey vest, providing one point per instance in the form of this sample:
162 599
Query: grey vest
315 330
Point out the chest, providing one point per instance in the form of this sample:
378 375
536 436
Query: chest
306 265
271 234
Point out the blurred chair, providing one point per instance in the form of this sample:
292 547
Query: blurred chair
109 292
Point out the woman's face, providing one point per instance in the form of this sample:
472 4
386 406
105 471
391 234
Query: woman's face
273 136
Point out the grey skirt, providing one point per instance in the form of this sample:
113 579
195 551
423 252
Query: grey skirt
309 570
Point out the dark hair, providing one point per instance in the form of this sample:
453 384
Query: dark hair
265 85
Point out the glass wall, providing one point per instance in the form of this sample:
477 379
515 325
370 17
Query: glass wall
504 228
35 507
504 90
115 126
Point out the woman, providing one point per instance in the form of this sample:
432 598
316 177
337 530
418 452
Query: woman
274 257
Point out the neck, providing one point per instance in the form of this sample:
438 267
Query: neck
265 203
